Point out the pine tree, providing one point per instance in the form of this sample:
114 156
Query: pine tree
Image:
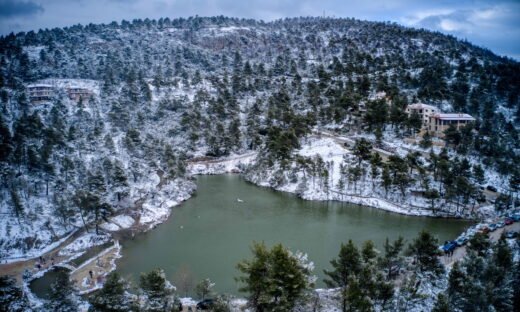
480 244
12 298
17 205
425 250
414 122
356 300
426 141
392 260
347 263
157 292
478 174
234 134
113 297
376 114
409 294
275 279
362 150
515 284
90 204
442 304
386 179
61 297
368 252
204 288
119 180
5 141
469 284
432 195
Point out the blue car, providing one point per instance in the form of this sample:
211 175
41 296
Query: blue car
449 247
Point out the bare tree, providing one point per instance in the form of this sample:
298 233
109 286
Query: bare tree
184 279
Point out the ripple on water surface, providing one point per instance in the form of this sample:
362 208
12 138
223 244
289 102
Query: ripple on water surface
211 232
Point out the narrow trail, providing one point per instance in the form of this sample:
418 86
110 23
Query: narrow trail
341 140
102 263
16 269
199 161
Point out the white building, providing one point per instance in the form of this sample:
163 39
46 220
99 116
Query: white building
41 93
424 110
438 123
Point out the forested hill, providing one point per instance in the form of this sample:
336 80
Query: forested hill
165 90
284 47
435 66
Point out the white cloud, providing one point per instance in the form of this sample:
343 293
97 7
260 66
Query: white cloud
495 26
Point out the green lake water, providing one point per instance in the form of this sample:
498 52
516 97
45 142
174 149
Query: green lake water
213 231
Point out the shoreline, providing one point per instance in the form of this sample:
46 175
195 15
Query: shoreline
234 165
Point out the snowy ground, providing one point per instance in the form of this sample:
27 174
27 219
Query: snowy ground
21 254
84 242
333 154
368 192
230 164
157 208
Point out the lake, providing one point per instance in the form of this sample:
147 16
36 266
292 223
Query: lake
211 232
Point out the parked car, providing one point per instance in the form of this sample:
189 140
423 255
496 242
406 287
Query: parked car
205 304
500 224
461 241
483 230
509 220
470 233
511 234
516 217
491 188
449 246
492 227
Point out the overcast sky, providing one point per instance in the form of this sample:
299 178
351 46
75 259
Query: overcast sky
494 24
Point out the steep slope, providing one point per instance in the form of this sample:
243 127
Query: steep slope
165 91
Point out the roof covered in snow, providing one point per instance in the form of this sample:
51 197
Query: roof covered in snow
39 85
453 117
421 106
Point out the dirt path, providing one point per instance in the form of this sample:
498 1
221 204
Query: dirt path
16 269
460 252
342 140
219 160
100 266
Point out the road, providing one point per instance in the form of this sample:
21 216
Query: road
460 252
341 140
196 161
